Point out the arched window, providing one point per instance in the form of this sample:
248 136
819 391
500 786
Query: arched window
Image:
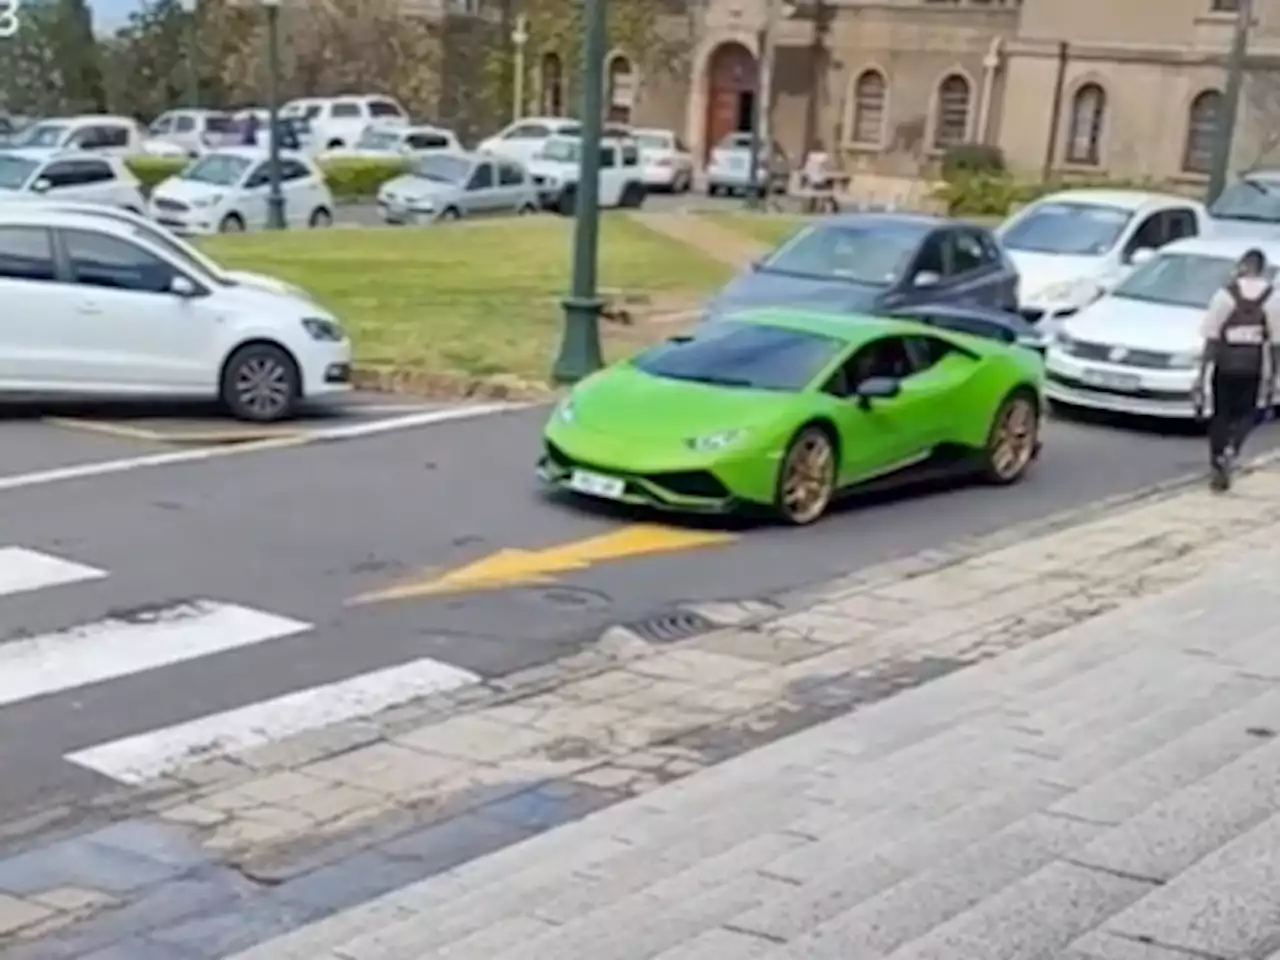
551 85
1202 127
951 124
1084 134
620 98
869 94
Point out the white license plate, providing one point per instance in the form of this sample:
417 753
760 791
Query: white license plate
1129 382
597 484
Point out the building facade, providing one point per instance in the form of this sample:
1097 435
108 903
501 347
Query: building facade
1088 88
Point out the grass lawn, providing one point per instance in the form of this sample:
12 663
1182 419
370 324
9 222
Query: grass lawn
453 305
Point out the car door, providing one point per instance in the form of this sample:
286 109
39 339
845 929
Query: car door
883 435
98 183
940 373
299 189
126 329
974 276
251 203
511 184
925 281
481 195
66 180
34 346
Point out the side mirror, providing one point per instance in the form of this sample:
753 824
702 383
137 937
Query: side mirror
926 278
181 286
41 186
1141 255
876 388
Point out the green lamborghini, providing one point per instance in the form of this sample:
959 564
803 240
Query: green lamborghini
787 409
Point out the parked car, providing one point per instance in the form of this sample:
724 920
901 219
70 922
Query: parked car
445 186
73 175
100 311
148 229
1070 247
729 169
523 140
876 263
1248 207
226 191
189 132
396 142
665 162
113 136
555 173
338 121
1136 350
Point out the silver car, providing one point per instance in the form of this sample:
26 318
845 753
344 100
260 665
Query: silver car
449 186
729 169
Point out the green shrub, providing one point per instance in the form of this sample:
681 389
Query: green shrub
350 178
981 195
972 160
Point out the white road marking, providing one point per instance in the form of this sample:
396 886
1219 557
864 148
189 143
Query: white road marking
22 571
81 471
113 648
140 758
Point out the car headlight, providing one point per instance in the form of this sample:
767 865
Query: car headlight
210 201
1080 291
715 441
321 329
1188 360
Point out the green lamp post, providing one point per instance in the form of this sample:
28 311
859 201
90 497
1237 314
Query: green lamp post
275 196
580 353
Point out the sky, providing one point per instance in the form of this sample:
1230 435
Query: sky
108 15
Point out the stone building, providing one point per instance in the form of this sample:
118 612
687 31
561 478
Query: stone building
1118 88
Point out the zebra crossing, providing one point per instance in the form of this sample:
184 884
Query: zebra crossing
144 642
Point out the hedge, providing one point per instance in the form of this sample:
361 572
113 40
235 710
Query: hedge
350 178
998 196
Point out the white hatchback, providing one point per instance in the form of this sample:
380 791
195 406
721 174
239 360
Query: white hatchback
665 162
102 310
76 176
227 191
1136 350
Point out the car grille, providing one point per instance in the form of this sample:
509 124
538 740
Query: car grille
1147 359
164 203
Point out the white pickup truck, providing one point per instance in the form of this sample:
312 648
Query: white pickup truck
555 173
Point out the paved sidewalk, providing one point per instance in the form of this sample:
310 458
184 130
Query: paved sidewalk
1111 794
1097 693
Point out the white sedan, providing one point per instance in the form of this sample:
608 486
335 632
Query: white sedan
1137 349
116 313
227 191
79 176
1070 247
665 162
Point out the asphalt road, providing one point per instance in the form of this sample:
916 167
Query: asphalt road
301 531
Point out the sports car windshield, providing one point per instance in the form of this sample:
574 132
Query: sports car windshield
1067 229
1179 280
1252 199
747 355
874 255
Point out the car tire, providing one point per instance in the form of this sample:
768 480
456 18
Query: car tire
527 209
334 145
713 191
261 383
1013 440
567 202
450 213
231 223
320 218
806 483
632 196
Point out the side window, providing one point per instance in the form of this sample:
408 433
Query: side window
292 170
345 110
384 108
887 357
1180 222
101 260
925 352
260 177
185 124
527 131
1149 236
510 176
94 171
608 158
26 253
63 173
967 254
990 248
482 178
162 124
630 155
107 137
931 258
427 141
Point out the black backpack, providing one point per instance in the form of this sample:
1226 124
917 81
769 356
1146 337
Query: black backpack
1245 335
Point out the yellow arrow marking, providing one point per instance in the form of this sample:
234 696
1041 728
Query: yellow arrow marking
513 567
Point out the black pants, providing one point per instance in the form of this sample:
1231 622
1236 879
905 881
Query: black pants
1235 408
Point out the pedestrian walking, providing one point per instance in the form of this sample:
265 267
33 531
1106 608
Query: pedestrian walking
1238 364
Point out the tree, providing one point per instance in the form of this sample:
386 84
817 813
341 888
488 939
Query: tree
75 51
149 59
51 66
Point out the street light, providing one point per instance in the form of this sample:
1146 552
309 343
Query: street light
1226 129
519 38
580 353
275 197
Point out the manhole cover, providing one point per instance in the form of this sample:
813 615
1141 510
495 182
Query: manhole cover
670 627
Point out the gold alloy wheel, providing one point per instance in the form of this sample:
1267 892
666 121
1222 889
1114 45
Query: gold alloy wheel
1013 442
808 477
